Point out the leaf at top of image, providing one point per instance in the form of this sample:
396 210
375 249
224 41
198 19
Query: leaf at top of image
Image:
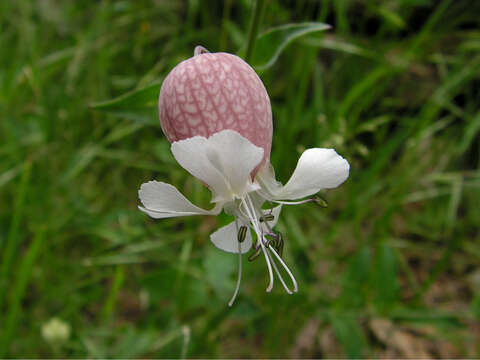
271 43
137 105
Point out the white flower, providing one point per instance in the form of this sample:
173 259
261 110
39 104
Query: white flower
56 331
225 162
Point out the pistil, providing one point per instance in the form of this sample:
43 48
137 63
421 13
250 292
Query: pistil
249 208
256 217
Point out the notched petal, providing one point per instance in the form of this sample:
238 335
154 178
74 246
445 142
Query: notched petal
269 185
192 155
316 169
236 158
224 162
162 200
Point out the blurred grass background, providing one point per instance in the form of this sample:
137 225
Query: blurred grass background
390 269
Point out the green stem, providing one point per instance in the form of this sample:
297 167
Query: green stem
117 284
227 6
258 11
18 291
14 237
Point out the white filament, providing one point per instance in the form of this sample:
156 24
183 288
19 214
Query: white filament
239 279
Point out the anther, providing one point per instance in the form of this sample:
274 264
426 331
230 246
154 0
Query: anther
272 243
271 240
256 254
242 234
317 199
267 217
280 244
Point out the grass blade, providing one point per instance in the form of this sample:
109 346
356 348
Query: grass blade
138 105
18 292
13 238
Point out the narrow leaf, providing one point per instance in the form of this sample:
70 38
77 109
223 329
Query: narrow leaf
138 105
386 276
271 43
17 293
349 333
355 279
14 236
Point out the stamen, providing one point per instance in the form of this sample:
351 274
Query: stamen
256 254
277 241
295 286
280 244
269 228
242 234
270 242
317 199
267 217
239 279
293 202
320 201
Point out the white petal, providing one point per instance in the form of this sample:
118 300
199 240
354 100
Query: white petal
226 239
235 157
161 200
269 185
316 169
191 154
224 162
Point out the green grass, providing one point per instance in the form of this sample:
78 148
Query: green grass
393 87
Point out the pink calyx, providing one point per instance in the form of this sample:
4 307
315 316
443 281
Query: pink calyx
211 92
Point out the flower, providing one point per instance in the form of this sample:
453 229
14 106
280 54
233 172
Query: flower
56 331
233 160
